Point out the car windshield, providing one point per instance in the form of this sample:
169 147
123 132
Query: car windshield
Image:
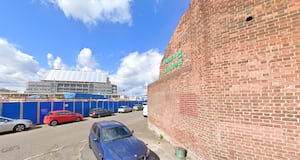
114 133
3 119
10 119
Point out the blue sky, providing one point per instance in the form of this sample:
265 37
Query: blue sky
126 38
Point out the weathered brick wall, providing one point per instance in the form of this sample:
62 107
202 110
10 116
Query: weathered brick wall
236 94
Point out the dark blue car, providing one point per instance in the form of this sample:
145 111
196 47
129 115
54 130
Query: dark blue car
112 140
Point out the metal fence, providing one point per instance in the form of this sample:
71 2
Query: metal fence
35 111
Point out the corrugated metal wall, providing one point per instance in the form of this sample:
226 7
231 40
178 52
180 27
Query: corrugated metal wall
35 111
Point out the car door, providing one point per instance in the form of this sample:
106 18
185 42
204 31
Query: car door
106 112
60 116
95 140
5 125
70 116
101 112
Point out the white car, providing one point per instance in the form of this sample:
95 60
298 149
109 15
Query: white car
16 125
145 109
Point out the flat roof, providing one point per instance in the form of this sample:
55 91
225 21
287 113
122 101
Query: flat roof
77 76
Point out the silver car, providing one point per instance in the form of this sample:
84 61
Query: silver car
124 109
16 125
137 107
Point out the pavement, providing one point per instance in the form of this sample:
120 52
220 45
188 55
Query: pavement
162 148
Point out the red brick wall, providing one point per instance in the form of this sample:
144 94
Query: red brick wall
237 93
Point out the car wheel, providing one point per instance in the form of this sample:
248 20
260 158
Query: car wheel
19 128
99 115
90 147
77 119
53 123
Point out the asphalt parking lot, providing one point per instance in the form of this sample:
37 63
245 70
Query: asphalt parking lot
70 141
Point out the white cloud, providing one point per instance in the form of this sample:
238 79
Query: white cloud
55 63
86 61
50 60
136 71
16 67
91 11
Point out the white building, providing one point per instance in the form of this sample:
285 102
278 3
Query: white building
62 81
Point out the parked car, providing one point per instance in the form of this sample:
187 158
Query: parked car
61 116
137 107
145 109
15 125
100 112
112 140
124 109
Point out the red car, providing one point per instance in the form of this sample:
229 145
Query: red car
61 116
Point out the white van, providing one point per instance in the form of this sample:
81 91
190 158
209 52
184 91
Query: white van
145 109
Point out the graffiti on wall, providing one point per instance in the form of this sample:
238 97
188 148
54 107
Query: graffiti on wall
171 66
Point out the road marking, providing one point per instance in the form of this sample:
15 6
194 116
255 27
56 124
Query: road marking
56 149
81 148
35 156
42 154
